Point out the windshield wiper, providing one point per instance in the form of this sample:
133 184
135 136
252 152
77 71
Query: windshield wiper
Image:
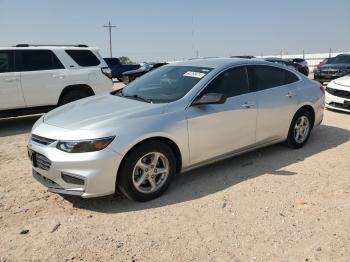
138 97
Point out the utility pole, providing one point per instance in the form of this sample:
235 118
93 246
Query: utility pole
109 26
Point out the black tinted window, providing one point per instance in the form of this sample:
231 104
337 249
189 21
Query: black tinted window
35 60
83 57
263 77
232 82
6 61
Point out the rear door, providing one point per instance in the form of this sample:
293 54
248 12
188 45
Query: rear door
10 90
42 76
277 100
218 129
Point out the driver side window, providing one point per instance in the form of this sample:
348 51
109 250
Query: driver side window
232 82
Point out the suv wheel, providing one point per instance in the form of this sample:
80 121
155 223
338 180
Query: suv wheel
147 171
300 129
73 96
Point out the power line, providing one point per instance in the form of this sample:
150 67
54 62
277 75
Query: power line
109 26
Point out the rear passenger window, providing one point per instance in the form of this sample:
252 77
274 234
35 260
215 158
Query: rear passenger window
232 82
36 60
263 77
83 57
6 61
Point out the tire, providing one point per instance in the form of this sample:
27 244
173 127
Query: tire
131 172
302 116
73 96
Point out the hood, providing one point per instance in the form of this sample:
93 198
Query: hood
343 81
104 111
334 66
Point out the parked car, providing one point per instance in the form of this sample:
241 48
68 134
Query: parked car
35 78
338 94
324 61
118 68
243 56
173 119
334 68
283 62
130 76
304 66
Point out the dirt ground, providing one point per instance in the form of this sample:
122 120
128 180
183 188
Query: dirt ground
274 204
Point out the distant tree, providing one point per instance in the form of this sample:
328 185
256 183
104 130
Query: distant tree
125 60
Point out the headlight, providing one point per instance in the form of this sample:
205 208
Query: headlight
84 146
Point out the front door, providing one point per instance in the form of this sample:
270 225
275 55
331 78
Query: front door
218 129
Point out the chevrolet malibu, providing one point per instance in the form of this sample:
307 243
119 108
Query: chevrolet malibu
171 120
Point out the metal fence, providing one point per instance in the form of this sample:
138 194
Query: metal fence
312 59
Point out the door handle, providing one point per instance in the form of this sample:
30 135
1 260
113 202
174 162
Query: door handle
11 79
290 94
60 76
248 105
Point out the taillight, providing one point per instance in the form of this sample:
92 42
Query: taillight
107 71
322 89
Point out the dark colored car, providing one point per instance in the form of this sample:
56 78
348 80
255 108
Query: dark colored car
334 68
243 56
303 65
289 63
118 68
281 61
130 76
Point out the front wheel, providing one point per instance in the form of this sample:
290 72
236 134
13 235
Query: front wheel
147 171
300 129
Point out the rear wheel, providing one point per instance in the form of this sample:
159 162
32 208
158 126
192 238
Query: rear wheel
73 96
147 171
300 129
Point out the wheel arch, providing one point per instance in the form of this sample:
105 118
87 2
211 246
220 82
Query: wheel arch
309 108
169 142
78 87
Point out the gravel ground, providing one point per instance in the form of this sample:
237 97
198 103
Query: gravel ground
274 204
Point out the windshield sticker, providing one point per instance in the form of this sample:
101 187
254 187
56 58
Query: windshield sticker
194 74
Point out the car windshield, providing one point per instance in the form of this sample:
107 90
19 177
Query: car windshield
342 59
164 84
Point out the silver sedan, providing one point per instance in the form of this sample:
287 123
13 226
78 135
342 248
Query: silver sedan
173 119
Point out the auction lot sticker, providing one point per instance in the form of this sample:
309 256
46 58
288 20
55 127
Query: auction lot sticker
194 74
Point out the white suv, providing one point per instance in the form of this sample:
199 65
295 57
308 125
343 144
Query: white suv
36 78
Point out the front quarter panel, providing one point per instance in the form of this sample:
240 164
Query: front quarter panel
171 125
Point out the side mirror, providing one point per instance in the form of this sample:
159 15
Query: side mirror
210 98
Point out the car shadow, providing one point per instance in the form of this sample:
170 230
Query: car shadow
17 125
222 175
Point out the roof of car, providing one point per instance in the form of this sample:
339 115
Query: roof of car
39 47
214 62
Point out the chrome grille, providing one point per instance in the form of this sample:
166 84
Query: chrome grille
42 140
41 161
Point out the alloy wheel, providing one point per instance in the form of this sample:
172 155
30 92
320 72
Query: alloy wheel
301 129
150 172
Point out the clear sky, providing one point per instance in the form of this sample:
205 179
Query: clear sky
156 30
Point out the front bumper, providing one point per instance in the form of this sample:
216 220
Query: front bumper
337 103
97 170
324 77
